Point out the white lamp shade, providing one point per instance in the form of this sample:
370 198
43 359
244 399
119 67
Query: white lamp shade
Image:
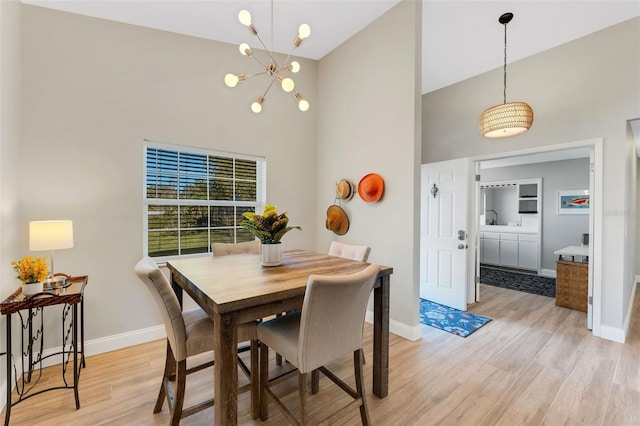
50 235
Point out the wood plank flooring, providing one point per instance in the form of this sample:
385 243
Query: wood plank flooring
534 364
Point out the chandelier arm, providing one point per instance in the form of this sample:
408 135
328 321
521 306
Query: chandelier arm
259 61
286 61
253 75
269 87
267 50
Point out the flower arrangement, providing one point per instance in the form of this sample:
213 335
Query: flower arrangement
31 269
269 227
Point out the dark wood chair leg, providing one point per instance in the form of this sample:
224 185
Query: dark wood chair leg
302 385
264 381
358 360
169 367
178 401
315 381
255 380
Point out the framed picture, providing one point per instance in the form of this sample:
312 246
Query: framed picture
573 201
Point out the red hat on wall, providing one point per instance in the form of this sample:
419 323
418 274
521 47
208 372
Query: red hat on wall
371 187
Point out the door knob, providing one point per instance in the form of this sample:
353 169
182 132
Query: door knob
462 246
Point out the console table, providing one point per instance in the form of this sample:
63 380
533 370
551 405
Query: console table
30 310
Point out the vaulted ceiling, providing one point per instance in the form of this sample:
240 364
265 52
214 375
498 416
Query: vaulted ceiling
460 39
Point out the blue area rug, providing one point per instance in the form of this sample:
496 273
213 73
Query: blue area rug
460 323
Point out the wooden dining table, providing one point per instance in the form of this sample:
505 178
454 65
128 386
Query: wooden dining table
237 289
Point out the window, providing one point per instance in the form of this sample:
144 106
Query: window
194 197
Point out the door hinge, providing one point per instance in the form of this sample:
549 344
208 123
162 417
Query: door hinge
590 300
477 178
477 280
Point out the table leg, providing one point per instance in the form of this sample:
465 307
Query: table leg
381 337
8 375
177 290
30 346
226 370
76 372
84 364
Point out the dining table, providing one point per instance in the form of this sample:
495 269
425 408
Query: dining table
237 289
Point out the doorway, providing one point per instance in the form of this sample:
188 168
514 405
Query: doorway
586 154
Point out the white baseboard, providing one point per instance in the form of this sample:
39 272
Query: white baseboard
615 334
398 328
620 334
551 273
123 340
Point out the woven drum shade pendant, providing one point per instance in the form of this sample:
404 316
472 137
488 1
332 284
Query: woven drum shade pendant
509 118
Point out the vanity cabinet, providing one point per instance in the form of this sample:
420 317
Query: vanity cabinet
510 249
490 248
528 251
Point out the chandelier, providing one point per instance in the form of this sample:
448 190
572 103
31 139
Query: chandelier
277 72
507 119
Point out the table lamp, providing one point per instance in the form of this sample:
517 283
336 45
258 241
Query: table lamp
51 235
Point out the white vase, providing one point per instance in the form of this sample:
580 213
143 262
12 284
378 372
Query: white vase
31 289
271 254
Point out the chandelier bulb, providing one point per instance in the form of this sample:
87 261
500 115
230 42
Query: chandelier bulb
304 31
231 80
256 107
287 84
303 105
294 67
244 17
245 49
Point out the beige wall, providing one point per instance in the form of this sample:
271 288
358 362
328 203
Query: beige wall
584 89
93 90
367 123
9 141
10 100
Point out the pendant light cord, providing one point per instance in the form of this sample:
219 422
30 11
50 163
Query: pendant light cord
505 64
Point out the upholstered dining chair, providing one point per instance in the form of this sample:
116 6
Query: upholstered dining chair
188 333
224 249
328 327
349 251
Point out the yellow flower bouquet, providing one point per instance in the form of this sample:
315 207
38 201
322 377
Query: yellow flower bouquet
31 269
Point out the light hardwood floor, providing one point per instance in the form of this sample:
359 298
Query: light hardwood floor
533 364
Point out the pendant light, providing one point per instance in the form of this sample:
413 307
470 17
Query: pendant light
507 119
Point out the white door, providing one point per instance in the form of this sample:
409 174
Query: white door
443 232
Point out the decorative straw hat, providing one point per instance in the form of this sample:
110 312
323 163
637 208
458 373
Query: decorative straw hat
371 187
345 189
337 220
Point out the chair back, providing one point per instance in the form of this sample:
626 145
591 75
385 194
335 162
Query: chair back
167 302
349 251
332 316
225 249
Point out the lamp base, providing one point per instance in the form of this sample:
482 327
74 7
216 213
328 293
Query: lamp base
55 282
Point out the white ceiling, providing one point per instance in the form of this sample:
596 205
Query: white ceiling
460 39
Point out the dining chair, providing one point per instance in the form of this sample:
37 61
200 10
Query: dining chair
349 251
224 249
328 327
189 333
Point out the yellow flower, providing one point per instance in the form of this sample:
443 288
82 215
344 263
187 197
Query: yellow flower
31 269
